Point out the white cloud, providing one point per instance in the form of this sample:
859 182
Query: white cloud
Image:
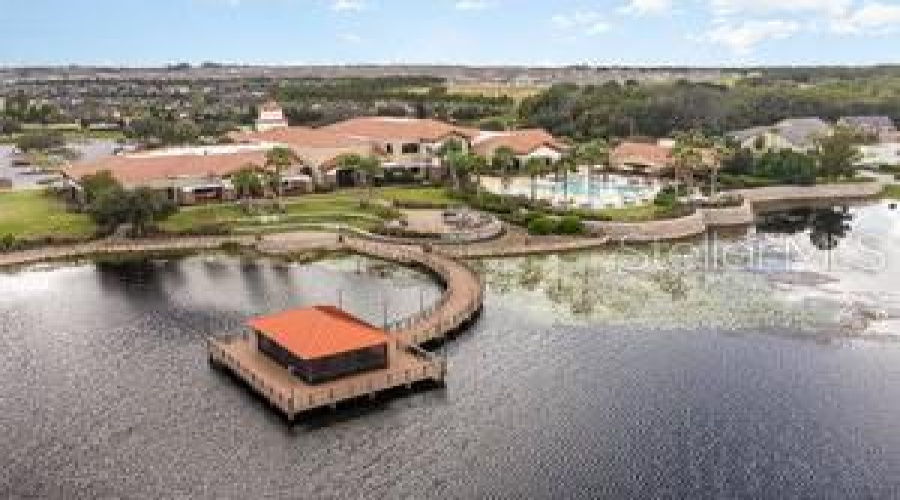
586 22
348 5
646 7
744 37
827 7
873 18
472 5
350 37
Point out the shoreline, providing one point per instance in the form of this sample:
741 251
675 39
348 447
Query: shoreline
513 242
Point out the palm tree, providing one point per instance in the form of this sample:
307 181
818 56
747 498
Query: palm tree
567 164
278 159
371 168
246 181
477 165
686 158
721 152
593 153
367 167
535 167
504 159
450 153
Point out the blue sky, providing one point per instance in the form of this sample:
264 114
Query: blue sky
634 32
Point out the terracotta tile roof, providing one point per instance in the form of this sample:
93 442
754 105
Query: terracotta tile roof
654 157
650 155
386 128
300 137
136 171
318 332
522 142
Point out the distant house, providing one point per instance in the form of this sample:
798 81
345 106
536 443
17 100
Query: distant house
796 134
874 125
270 117
321 344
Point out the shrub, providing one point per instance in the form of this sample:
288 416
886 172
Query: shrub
7 243
383 211
205 229
399 232
668 197
542 225
422 204
231 247
570 224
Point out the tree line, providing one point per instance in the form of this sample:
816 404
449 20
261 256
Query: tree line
659 110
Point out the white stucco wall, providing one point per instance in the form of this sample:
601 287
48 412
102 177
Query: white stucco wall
880 154
544 152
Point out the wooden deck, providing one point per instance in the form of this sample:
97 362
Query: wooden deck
408 364
291 396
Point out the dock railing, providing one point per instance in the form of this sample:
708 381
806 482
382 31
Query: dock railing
461 299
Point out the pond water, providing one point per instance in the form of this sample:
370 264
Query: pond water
698 370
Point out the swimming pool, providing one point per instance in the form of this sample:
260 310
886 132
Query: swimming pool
589 191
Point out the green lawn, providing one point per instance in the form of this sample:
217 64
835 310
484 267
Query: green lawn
34 214
434 195
892 191
341 207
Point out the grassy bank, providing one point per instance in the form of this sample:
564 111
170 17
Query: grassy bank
32 214
891 192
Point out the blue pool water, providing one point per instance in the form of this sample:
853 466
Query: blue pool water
595 191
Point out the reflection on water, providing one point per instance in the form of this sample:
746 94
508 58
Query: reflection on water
772 279
853 259
826 227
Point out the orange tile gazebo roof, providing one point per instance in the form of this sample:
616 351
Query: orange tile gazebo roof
318 332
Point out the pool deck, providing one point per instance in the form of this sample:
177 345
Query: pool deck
409 364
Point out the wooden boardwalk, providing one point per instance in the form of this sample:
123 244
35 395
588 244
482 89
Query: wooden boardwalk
459 305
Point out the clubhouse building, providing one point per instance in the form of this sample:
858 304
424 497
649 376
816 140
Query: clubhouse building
409 149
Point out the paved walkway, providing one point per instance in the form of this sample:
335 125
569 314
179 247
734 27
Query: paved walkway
704 219
111 246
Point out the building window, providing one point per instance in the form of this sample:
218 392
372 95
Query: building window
410 148
389 148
